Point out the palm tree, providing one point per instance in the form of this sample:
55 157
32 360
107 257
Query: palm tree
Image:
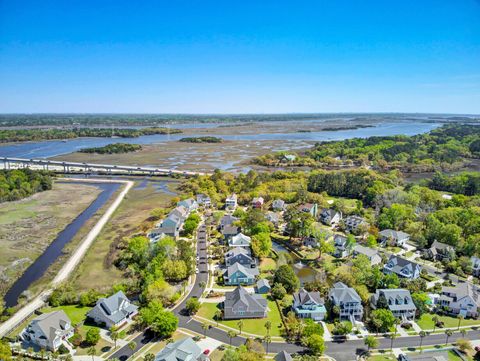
463 332
460 318
448 333
435 320
92 351
396 323
114 336
205 327
218 315
149 357
268 326
55 355
422 334
392 336
370 342
267 339
132 345
240 326
42 353
231 334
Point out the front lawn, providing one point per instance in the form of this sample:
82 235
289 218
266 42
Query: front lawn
426 323
254 326
76 313
382 357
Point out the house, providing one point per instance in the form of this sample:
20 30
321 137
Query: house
230 231
439 251
231 201
309 305
257 202
182 350
237 274
204 200
227 220
113 311
49 330
343 247
278 205
354 224
273 217
475 261
240 240
311 208
240 255
170 226
463 299
370 253
399 301
240 304
394 238
402 267
263 286
348 302
180 212
190 204
283 356
288 158
330 217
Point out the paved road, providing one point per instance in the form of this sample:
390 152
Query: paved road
71 263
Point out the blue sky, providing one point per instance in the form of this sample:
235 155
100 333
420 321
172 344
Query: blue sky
240 56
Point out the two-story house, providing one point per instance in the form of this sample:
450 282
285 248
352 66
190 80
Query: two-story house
190 204
240 255
354 224
309 305
204 200
240 304
240 240
311 208
278 205
348 302
399 301
439 251
182 350
370 253
115 310
49 330
462 299
343 247
231 201
237 274
393 238
402 267
475 262
257 202
330 217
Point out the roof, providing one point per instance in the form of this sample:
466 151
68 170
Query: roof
339 240
240 240
116 307
182 350
302 297
230 230
247 271
263 283
228 219
241 298
393 294
187 203
464 289
307 206
50 323
397 264
367 251
441 246
329 212
237 251
257 200
283 356
342 293
397 235
232 197
278 203
179 211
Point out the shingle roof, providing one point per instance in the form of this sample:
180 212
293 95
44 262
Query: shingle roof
51 323
397 235
240 240
367 251
182 350
397 264
342 293
116 307
263 283
283 356
302 297
237 267
241 298
396 294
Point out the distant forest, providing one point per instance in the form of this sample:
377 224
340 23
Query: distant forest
21 135
201 140
115 148
11 120
20 183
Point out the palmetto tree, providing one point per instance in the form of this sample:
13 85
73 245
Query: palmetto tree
392 336
92 351
422 334
435 320
149 357
218 315
267 339
114 335
268 326
448 333
132 345
240 326
370 342
377 323
205 327
460 318
231 334
463 332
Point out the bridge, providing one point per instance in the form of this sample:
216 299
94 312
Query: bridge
88 168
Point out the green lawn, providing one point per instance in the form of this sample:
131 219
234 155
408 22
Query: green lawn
253 326
426 323
76 313
267 265
382 357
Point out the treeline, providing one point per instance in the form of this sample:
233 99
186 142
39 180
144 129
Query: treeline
20 183
467 183
21 135
201 140
113 148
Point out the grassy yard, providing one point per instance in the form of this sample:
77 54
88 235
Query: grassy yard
267 265
382 357
76 313
216 355
97 270
253 326
426 323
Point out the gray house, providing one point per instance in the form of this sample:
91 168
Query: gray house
342 246
113 311
475 262
439 251
227 220
463 299
354 223
283 356
263 286
190 204
204 200
330 216
230 231
278 205
237 275
402 267
309 305
370 253
348 301
182 350
240 255
311 208
390 236
240 304
49 330
398 301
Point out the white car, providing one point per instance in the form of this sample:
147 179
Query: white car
196 270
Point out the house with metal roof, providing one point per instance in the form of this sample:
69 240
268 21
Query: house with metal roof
399 301
309 305
348 301
49 330
402 267
240 304
113 311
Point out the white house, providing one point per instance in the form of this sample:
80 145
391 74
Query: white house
49 330
231 201
463 299
113 311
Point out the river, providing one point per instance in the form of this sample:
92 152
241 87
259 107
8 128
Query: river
47 149
38 268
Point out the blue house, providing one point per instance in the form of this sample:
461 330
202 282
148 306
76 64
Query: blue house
237 275
309 305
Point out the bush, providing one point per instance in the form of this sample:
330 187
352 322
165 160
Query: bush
93 336
76 340
62 350
407 325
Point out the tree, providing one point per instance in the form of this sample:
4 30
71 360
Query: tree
448 333
460 318
268 326
192 305
278 292
325 247
392 337
93 336
218 315
261 244
5 351
342 328
267 339
162 322
377 323
114 335
315 344
132 345
385 319
371 342
464 345
231 334
149 357
422 334
240 326
205 327
287 277
435 320
92 351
